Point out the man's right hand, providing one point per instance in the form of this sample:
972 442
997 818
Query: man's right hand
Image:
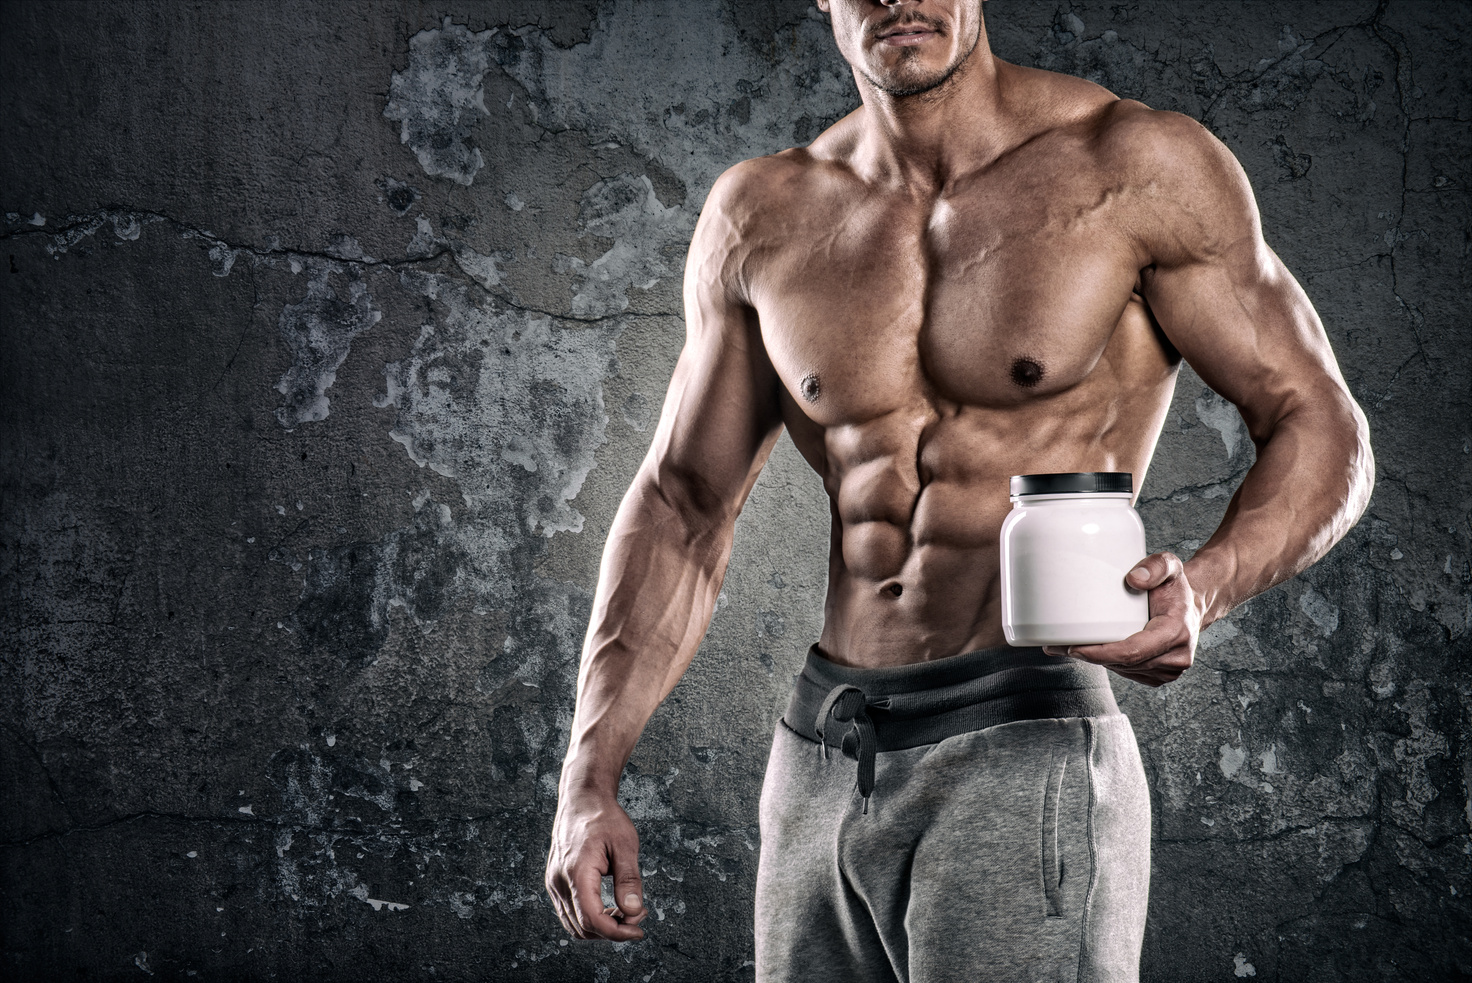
592 837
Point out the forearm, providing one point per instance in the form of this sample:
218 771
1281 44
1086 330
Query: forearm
661 574
1311 482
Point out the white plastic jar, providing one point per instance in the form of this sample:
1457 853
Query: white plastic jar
1066 547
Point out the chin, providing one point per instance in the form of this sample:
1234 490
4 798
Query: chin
909 78
912 84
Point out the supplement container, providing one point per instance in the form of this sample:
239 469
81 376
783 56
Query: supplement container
1066 547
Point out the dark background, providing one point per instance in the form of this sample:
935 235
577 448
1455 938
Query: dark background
332 335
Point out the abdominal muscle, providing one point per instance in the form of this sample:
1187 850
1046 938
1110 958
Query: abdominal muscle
949 603
919 496
916 587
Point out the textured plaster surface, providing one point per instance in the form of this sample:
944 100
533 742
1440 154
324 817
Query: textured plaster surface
331 337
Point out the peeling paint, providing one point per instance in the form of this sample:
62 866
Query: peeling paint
1268 762
1231 760
484 270
319 331
1222 417
485 388
626 210
361 893
222 258
126 227
1324 615
438 100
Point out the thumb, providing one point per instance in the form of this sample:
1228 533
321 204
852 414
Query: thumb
628 887
1153 571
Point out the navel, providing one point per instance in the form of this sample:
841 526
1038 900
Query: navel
810 387
1027 373
894 590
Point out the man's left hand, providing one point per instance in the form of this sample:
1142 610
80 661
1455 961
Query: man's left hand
1164 648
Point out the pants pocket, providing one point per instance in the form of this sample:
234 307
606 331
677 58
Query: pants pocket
1052 859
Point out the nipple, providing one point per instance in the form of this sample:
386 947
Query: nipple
810 387
1026 373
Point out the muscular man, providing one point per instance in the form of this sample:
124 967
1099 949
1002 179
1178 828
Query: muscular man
984 271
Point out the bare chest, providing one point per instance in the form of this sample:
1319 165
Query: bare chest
989 298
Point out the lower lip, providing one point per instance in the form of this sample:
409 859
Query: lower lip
905 40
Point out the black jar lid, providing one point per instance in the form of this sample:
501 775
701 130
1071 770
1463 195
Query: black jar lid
1084 482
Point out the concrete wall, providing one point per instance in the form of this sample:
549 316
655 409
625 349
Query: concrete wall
332 335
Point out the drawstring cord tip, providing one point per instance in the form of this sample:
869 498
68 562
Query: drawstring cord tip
848 705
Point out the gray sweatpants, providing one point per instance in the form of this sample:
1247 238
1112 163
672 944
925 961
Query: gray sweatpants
1019 851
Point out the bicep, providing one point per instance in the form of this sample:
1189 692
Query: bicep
719 422
721 415
1247 328
1226 301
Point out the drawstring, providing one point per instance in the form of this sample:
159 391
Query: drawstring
847 704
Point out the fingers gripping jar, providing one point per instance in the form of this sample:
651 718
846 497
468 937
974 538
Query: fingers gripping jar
1066 547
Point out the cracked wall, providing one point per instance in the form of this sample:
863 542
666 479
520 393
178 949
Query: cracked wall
332 337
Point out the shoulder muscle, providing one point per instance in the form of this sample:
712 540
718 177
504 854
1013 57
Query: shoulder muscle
1194 202
729 226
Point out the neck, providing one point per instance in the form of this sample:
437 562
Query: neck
926 139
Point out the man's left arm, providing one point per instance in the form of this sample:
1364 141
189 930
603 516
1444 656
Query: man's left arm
1237 315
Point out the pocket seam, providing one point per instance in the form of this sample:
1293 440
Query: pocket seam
1052 862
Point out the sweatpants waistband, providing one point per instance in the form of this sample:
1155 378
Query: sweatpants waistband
909 706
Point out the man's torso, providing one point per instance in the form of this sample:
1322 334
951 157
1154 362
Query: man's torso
932 344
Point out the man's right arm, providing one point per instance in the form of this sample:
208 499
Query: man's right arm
663 566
